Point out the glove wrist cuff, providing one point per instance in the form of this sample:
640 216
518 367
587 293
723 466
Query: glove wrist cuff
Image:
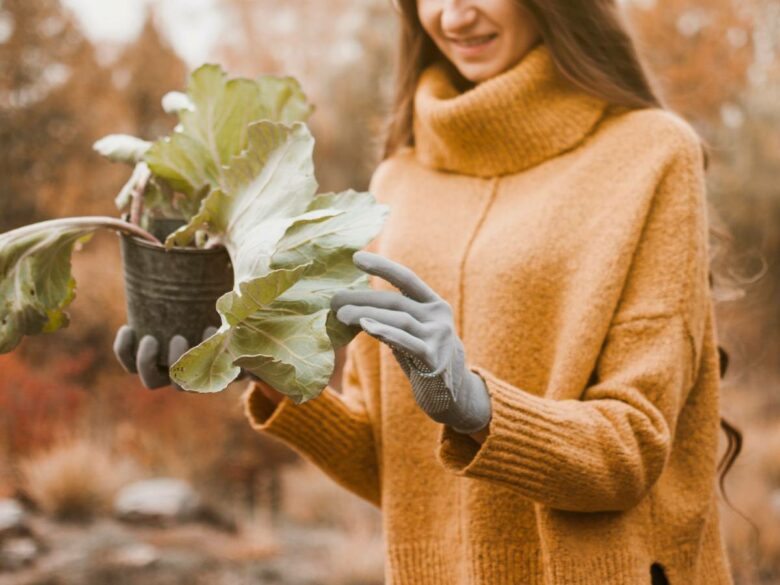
476 410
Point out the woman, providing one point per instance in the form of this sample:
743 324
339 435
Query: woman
535 399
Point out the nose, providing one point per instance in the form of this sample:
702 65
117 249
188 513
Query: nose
457 15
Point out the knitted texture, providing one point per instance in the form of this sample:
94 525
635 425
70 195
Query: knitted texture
571 240
522 117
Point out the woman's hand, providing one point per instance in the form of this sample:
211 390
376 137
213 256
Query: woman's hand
419 328
142 356
143 359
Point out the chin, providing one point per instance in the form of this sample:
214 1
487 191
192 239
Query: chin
478 74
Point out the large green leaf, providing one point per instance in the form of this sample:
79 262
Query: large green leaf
213 120
36 284
291 251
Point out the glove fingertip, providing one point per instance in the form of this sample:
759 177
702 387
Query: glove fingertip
177 347
124 349
152 375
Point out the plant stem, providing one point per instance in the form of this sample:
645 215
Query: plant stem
86 223
137 197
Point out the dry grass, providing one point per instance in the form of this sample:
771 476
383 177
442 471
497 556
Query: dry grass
259 539
356 557
354 554
76 479
311 497
256 540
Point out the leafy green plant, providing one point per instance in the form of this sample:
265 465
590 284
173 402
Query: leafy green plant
238 169
174 173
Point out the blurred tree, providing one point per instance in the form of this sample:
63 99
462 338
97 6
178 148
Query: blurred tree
147 70
341 52
717 64
50 168
33 411
40 132
700 51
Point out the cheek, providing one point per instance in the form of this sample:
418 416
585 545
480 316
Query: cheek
427 13
518 27
507 12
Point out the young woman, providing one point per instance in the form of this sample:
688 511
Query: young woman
535 397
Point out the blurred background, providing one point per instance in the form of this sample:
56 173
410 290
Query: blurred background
82 444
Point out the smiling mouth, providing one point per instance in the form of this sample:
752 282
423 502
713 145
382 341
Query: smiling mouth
473 41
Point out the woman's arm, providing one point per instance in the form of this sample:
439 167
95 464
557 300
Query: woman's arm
333 430
605 451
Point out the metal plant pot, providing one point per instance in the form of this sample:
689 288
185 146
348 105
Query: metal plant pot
172 292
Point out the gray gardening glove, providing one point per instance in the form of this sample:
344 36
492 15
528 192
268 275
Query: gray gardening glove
142 358
418 326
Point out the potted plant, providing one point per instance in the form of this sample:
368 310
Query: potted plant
223 215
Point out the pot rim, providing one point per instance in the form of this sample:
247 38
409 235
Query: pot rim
179 250
140 242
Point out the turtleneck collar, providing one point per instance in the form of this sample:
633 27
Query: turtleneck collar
507 123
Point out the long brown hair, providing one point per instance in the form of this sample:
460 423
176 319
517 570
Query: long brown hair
591 45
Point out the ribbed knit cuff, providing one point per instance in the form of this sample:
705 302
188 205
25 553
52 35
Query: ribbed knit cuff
520 421
262 413
529 447
320 424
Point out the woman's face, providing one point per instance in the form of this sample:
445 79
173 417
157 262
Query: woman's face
481 38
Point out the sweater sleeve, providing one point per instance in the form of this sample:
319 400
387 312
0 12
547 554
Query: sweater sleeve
333 430
605 450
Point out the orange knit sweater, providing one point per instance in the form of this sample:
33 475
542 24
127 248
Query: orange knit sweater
570 239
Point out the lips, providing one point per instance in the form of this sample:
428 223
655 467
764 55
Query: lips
473 41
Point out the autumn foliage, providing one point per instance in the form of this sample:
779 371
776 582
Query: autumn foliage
714 61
